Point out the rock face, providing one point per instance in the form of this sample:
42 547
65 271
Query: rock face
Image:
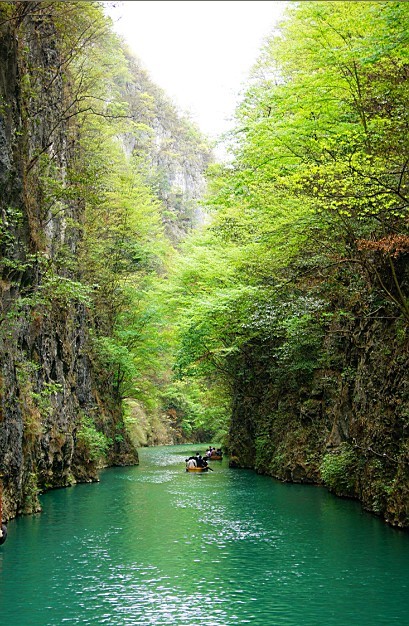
345 425
61 419
50 405
177 155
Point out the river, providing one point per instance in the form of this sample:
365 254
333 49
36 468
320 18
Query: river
155 545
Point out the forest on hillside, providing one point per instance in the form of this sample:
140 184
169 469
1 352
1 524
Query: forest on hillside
152 295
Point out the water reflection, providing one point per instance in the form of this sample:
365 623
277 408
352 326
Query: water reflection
156 545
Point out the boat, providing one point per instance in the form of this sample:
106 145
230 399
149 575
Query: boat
197 469
216 454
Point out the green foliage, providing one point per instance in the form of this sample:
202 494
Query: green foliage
200 408
43 400
126 194
338 470
327 133
92 442
318 168
31 503
62 291
303 216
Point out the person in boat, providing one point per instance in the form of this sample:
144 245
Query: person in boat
201 460
3 533
190 462
214 452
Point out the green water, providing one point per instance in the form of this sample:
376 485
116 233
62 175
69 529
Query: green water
155 545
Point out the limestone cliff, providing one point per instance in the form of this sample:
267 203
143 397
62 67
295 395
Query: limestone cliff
175 154
339 419
53 415
74 101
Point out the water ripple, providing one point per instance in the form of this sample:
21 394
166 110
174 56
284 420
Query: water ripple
156 546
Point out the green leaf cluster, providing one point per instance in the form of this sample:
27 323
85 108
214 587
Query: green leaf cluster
318 168
338 470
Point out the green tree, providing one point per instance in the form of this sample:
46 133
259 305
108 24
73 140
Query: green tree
310 215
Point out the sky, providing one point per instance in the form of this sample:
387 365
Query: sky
199 52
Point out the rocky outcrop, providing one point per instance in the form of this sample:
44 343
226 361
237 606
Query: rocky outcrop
344 426
56 426
175 153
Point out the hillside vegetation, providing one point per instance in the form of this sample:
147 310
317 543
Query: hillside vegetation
100 177
153 296
293 304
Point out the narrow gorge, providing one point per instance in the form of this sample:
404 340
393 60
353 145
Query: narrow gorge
152 295
67 114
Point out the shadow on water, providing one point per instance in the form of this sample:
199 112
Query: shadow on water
155 545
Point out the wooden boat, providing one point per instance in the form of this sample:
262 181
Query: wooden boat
197 469
214 457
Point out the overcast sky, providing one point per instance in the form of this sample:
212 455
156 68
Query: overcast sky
198 51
